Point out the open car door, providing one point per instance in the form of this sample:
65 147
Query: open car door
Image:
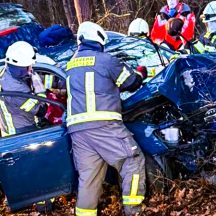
36 165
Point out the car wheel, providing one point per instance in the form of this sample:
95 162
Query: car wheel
157 178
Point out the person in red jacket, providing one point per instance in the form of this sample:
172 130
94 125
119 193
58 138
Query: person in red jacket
173 39
173 9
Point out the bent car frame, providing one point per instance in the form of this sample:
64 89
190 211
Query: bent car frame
38 165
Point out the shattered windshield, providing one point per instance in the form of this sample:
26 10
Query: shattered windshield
139 52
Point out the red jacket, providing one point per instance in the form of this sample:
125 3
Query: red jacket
183 12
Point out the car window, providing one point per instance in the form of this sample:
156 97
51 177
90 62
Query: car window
16 112
136 51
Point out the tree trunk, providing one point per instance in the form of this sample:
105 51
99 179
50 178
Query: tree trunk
68 11
83 10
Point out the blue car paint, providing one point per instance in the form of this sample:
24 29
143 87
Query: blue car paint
171 83
144 135
35 175
36 166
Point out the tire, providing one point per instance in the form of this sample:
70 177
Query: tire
157 178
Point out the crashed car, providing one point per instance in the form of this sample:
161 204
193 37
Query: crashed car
172 117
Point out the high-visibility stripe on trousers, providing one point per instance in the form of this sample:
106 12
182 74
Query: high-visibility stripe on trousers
93 150
85 212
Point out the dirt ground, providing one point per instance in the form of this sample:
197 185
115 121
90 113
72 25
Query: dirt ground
194 197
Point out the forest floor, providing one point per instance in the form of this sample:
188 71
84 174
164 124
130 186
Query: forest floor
194 197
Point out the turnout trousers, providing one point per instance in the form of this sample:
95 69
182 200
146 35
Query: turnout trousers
95 149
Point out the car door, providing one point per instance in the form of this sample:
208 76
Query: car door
36 165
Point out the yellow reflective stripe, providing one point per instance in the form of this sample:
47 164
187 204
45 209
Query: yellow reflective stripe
80 62
132 200
48 81
2 71
4 134
213 39
134 184
94 116
8 119
199 47
42 95
29 105
152 72
69 98
210 48
85 212
122 77
89 90
207 34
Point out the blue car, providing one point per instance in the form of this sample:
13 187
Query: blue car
172 117
37 165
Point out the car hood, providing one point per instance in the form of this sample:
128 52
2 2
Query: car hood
188 82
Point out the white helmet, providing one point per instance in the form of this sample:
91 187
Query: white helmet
20 54
91 31
138 27
209 13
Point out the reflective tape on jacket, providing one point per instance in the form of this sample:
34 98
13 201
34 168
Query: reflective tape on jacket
122 77
85 212
210 48
199 47
90 94
8 120
28 105
80 62
2 71
48 81
207 34
213 39
94 116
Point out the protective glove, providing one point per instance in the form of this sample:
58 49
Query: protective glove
37 83
142 71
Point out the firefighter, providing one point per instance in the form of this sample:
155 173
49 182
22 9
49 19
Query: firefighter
174 28
173 9
138 28
99 137
208 39
18 114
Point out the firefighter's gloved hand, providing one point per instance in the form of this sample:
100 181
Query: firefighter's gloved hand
142 71
37 83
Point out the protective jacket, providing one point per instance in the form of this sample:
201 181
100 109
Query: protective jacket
16 114
183 12
208 39
99 137
94 82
